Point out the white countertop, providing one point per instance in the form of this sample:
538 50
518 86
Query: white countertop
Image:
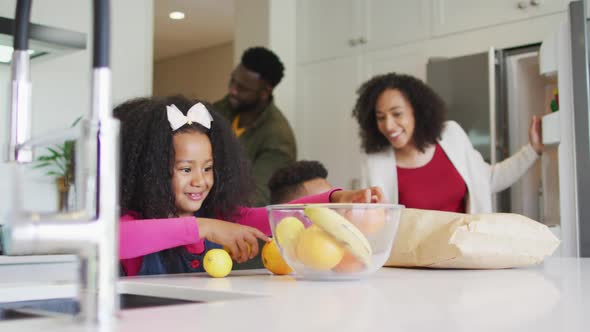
551 297
36 259
37 269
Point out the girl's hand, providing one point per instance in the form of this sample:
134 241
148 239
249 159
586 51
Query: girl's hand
535 135
368 195
242 241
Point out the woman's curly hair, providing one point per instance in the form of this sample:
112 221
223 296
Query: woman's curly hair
147 157
429 110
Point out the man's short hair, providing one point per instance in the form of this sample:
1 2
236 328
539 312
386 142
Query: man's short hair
289 180
264 62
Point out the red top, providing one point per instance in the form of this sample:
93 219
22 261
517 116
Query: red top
434 186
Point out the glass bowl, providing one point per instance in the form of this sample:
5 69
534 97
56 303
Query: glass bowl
334 241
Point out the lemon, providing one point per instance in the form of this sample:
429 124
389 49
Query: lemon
287 232
316 249
217 263
272 259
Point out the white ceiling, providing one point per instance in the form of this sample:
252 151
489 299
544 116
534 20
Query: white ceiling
206 23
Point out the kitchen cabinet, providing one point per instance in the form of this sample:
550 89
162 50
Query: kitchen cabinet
328 132
334 28
452 16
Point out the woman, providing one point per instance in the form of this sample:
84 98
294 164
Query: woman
422 161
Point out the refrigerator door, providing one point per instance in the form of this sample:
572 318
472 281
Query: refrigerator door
493 96
581 91
574 147
468 85
565 57
524 93
468 89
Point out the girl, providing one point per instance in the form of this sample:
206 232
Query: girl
182 169
422 161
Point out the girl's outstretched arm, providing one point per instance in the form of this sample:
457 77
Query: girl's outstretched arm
140 237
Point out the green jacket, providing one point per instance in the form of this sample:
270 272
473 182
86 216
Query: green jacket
269 144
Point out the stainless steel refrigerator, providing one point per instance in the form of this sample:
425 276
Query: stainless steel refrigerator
493 96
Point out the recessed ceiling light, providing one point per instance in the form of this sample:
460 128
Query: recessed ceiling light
176 15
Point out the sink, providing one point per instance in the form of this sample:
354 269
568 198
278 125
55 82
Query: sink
133 295
10 314
49 307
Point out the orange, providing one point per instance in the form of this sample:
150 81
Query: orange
272 259
348 264
316 249
368 221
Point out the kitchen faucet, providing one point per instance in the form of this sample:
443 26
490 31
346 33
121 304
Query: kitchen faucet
91 232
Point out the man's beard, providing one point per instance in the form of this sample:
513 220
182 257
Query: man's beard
247 107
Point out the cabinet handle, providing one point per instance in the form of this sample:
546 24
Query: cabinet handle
523 4
536 2
362 40
353 42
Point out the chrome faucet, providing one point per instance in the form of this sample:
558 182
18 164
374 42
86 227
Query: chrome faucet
91 232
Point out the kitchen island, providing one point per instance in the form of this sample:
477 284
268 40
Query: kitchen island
554 296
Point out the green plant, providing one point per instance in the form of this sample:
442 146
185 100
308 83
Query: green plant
59 161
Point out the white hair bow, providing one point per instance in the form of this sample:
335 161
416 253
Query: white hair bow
198 113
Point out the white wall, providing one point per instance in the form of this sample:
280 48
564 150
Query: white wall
202 74
272 24
251 25
61 85
282 37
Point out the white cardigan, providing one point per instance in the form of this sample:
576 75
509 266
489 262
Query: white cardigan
481 178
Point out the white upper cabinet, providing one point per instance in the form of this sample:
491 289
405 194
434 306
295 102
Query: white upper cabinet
394 22
326 28
451 16
334 28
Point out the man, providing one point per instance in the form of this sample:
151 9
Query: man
264 132
302 178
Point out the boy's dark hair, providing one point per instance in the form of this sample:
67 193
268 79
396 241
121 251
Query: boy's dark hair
429 110
290 178
147 156
264 62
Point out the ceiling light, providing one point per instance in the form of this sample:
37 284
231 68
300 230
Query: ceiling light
43 40
176 15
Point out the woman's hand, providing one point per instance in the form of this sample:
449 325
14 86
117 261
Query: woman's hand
367 195
242 241
535 134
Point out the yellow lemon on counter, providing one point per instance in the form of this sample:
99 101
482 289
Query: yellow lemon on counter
318 250
272 259
217 263
287 232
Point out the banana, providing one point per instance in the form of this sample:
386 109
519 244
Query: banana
342 230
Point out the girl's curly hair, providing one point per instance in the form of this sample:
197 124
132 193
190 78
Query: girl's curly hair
429 110
147 156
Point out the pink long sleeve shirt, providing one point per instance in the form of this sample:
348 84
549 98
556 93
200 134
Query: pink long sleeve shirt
140 237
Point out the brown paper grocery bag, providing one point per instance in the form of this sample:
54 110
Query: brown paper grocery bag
439 239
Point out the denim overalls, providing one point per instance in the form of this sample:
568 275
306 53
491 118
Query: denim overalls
186 262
